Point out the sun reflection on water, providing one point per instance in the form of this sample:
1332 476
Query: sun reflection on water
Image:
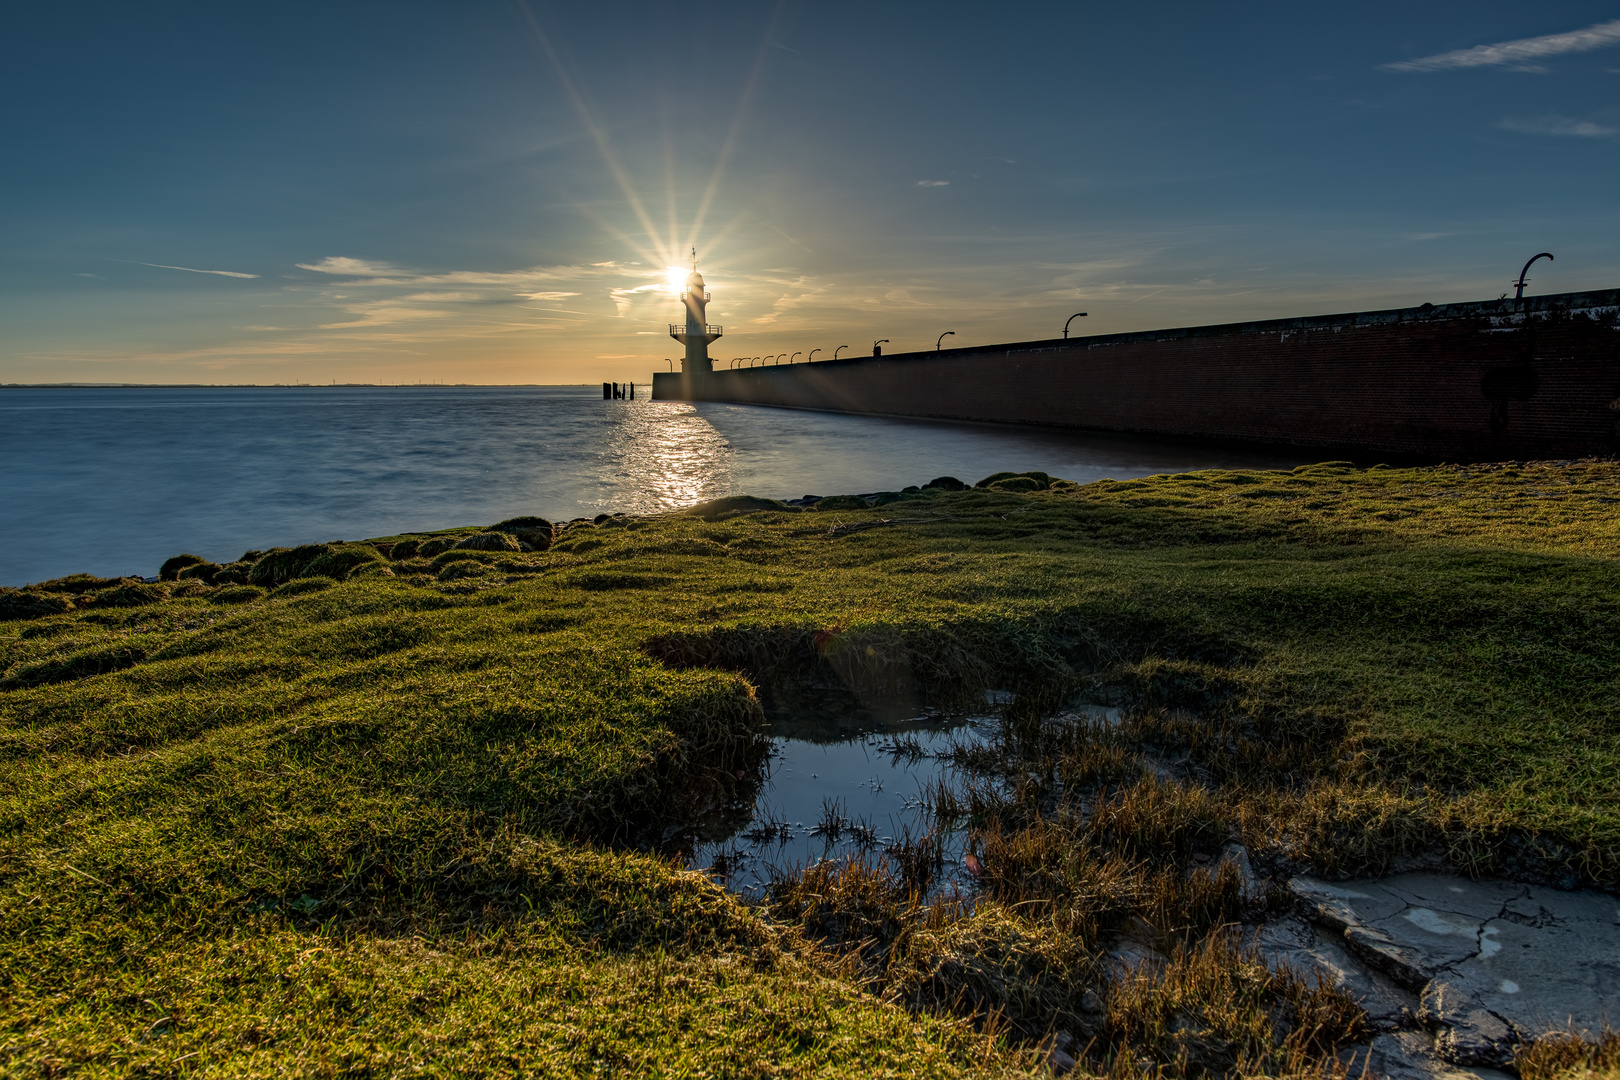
660 456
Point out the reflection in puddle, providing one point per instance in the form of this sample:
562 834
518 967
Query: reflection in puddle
841 781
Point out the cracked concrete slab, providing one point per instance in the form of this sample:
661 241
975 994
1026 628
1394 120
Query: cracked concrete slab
1497 963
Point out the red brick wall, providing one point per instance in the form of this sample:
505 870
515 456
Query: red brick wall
1406 382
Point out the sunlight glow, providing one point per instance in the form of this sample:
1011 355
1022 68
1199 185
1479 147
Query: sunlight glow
675 279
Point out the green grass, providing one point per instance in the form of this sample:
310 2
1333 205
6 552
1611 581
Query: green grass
410 819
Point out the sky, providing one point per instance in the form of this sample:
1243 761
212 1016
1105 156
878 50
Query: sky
494 191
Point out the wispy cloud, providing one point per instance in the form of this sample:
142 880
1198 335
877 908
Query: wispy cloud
1556 125
339 264
933 183
384 313
194 270
1522 54
548 295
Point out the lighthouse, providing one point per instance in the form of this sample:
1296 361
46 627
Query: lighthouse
696 333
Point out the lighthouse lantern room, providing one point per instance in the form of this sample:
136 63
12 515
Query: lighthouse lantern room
696 333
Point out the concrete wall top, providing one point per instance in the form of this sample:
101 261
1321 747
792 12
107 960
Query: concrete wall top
1597 304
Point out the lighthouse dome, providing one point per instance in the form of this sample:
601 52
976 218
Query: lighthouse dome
694 281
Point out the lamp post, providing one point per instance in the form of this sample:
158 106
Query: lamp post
942 337
812 357
670 362
836 351
1076 315
1518 294
877 351
790 359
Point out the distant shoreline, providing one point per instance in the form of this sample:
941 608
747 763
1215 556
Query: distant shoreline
290 386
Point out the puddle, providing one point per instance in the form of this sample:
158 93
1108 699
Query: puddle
841 780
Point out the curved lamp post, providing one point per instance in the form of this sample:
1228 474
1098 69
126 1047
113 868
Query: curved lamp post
670 362
1519 293
875 345
812 357
942 337
1076 315
836 351
790 359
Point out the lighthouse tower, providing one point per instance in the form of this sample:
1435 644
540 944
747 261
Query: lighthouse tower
696 333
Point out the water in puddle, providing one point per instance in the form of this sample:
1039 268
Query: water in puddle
841 781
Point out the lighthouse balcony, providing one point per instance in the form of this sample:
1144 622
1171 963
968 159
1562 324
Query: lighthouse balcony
678 330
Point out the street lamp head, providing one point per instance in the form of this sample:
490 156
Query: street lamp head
1519 293
1076 315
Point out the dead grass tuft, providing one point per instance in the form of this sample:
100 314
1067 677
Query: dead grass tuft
1216 1009
1570 1057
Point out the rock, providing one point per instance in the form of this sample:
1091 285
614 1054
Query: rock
1091 1003
1408 1055
1338 906
1296 943
1467 1033
1498 963
1550 962
1254 889
1135 946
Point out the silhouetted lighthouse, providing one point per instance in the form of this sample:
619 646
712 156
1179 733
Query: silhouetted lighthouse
697 333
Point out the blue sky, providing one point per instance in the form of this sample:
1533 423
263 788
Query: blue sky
491 192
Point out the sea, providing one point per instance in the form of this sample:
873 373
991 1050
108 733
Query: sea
112 481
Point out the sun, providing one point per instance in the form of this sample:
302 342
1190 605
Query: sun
675 279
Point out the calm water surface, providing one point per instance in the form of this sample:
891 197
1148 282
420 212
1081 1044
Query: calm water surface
114 481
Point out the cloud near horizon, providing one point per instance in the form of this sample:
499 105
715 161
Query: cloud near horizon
1521 54
1562 126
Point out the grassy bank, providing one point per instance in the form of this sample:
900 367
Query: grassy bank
398 805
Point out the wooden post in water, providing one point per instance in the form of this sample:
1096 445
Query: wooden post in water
607 391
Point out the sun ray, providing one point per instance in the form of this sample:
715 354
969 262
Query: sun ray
587 117
743 101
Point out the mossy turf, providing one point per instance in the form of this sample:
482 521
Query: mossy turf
404 813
